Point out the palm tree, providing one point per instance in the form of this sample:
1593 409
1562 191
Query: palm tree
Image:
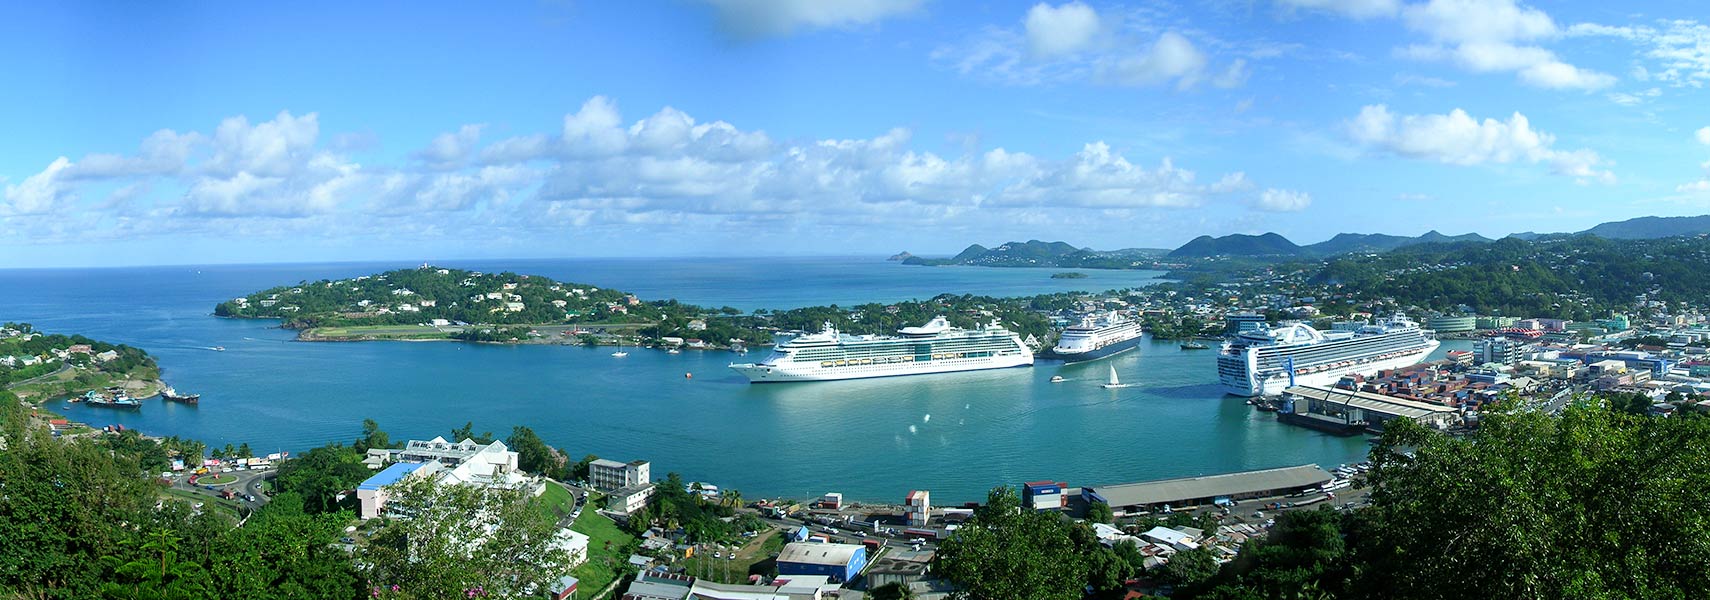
734 498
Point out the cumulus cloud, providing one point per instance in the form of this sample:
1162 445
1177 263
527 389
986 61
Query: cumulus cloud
1496 36
1074 43
450 150
1282 200
1060 30
39 193
1354 9
1459 139
1703 136
599 169
752 18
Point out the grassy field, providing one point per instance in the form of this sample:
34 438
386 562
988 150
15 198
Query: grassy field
608 552
556 502
388 332
141 382
759 550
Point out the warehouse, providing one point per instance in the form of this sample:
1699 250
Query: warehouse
840 562
1341 411
1145 497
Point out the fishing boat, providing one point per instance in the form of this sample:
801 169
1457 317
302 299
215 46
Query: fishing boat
173 396
1114 382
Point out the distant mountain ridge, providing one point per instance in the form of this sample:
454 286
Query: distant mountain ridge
1035 253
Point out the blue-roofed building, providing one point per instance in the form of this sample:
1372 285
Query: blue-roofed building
840 562
372 492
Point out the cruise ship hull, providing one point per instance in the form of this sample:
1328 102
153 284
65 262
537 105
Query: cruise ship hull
1275 383
1109 350
761 373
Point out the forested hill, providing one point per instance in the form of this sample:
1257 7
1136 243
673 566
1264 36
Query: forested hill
408 296
1578 277
1035 253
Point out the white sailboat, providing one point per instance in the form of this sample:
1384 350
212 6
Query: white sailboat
1114 382
620 352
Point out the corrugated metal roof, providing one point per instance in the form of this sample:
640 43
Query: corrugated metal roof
1189 488
819 554
1400 407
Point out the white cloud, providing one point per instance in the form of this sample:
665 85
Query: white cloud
1171 58
1072 43
599 170
1678 50
1060 30
1703 136
1635 98
1457 138
1489 36
1276 200
750 18
39 193
1354 9
450 150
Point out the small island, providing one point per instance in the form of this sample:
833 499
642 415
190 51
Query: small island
1069 275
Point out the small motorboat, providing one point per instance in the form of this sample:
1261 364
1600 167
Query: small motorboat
1057 379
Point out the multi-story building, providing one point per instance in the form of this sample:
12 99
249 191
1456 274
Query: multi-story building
610 474
1501 350
629 499
461 463
1452 323
1239 322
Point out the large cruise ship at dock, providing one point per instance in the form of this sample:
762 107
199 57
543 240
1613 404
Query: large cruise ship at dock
1258 362
932 348
1095 337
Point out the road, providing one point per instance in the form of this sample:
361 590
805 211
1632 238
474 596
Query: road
248 484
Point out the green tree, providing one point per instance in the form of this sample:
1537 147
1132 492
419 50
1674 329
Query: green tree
534 456
891 591
321 474
456 539
1099 512
157 573
1004 552
1595 504
467 432
372 437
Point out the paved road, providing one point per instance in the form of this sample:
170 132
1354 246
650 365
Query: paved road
248 482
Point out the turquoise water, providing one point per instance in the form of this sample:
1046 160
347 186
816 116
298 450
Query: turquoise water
957 435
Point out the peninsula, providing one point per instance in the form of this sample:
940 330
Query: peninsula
37 367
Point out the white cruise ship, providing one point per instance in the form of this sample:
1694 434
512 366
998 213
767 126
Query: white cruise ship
933 348
1257 362
1095 337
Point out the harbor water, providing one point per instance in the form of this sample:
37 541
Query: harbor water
957 434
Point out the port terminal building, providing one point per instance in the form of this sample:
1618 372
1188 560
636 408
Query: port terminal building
1152 496
1348 412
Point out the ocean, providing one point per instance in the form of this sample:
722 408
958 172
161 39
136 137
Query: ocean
957 435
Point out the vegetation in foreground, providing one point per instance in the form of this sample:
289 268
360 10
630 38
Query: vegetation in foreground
1598 503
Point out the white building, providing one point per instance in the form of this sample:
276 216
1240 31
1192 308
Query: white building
465 462
630 499
610 474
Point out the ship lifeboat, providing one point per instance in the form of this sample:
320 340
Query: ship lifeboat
826 364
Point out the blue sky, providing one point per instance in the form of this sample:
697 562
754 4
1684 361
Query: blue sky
249 132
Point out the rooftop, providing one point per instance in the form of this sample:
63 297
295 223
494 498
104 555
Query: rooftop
1210 486
1370 401
819 554
390 475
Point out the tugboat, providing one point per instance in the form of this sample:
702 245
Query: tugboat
173 395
